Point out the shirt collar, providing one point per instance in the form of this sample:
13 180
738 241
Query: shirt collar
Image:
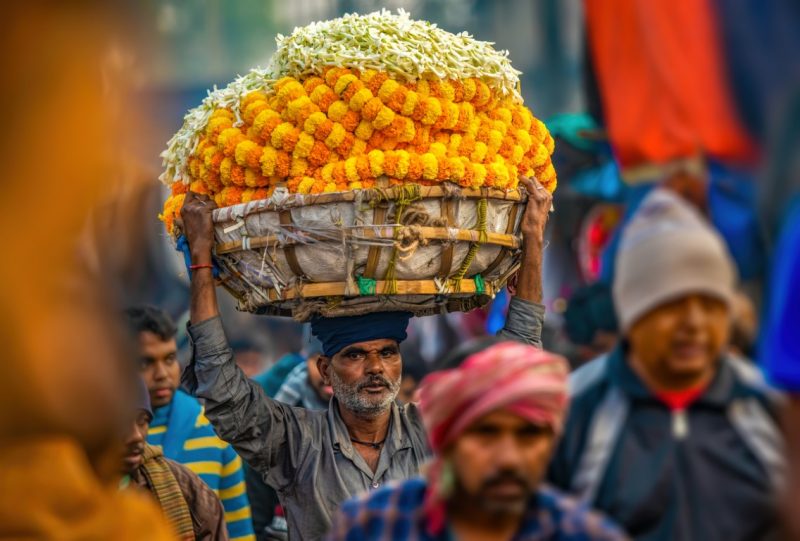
718 393
396 438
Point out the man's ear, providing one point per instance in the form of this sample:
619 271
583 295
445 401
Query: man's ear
323 365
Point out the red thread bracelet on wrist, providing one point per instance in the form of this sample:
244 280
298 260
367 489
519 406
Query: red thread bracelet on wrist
201 266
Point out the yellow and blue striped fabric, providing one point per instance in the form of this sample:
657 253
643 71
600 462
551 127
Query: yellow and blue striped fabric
185 435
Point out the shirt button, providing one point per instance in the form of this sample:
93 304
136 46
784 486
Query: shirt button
376 484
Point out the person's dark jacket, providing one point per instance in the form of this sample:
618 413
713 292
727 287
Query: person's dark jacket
706 473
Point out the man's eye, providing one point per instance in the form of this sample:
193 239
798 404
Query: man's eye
355 356
171 359
386 353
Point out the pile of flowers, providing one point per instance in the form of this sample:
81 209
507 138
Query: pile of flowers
357 99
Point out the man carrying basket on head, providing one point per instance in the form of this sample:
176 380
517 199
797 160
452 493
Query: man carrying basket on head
318 459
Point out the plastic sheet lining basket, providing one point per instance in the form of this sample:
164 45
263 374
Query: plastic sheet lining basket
415 248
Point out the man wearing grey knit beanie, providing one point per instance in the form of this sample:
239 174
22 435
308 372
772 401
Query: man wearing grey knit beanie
668 434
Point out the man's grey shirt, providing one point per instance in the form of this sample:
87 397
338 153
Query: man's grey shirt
307 455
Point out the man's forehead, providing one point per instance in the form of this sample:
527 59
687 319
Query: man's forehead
152 342
371 344
502 418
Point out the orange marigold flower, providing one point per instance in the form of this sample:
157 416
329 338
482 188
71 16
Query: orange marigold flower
350 121
282 162
290 139
237 175
345 148
397 99
414 167
311 83
242 150
371 109
390 163
323 130
178 188
319 154
362 166
375 82
339 176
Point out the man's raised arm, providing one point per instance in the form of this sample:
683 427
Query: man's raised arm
525 312
257 426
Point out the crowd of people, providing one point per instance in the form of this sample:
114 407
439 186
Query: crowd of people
669 432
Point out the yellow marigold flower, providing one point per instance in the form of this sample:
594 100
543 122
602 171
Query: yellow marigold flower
313 122
343 82
242 149
479 154
305 185
423 88
359 147
446 91
433 110
502 114
225 171
549 143
403 160
337 110
298 167
262 118
216 125
327 173
296 105
376 162
292 90
451 115
500 126
253 179
253 109
469 89
540 156
537 131
384 118
198 187
430 166
268 159
360 98
350 170
336 136
456 168
329 188
495 140
453 144
480 173
355 186
409 131
438 149
364 130
474 128
523 139
367 75
305 143
410 103
517 153
319 93
501 174
279 133
388 88
223 113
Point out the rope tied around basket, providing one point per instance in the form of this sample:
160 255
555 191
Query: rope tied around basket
403 196
455 279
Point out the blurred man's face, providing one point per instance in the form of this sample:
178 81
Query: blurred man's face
677 345
365 376
160 368
408 387
135 441
325 392
500 460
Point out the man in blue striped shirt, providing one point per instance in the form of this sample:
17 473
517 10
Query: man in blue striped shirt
179 425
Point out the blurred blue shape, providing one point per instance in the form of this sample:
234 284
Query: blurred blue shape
497 313
779 351
601 182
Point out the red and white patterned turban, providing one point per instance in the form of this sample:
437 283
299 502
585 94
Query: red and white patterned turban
507 376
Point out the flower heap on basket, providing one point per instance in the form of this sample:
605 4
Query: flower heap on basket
360 103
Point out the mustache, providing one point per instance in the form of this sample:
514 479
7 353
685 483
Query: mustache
374 380
134 449
506 477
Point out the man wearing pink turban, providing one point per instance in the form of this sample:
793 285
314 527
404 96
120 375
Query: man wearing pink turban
492 424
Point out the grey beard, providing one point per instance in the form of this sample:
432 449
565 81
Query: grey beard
350 396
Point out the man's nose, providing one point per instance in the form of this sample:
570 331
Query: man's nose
373 364
508 454
160 371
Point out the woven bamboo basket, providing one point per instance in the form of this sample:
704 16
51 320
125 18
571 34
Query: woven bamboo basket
420 249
